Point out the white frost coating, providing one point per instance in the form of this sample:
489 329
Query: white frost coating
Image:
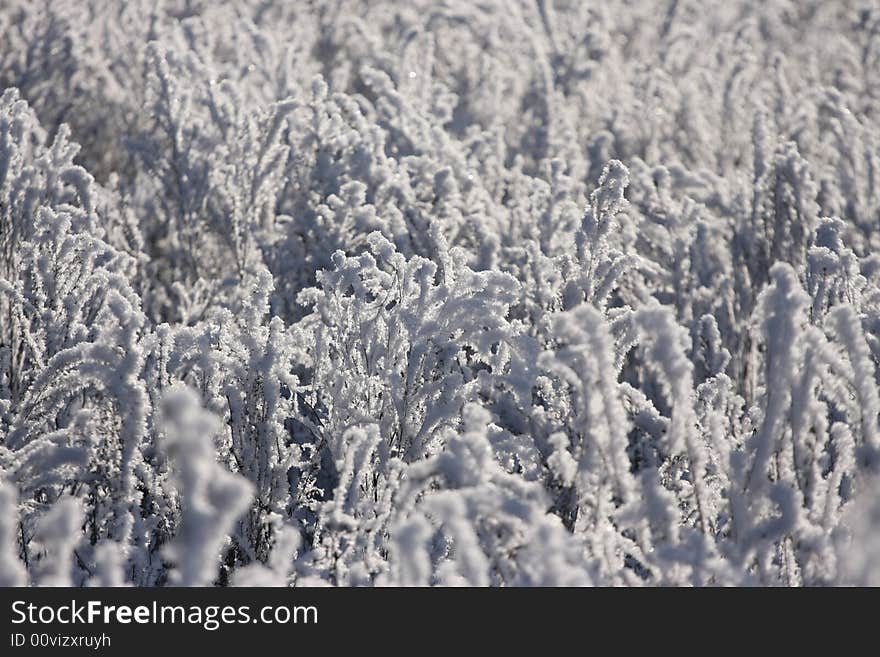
57 535
848 328
561 462
12 570
665 343
277 571
412 561
782 311
859 550
109 565
439 293
211 498
584 361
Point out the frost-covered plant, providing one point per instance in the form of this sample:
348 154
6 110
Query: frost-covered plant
485 525
211 171
12 571
416 340
439 293
211 497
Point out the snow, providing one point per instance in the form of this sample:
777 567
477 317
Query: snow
439 293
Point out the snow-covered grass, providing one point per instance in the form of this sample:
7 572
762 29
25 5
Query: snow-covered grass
439 292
